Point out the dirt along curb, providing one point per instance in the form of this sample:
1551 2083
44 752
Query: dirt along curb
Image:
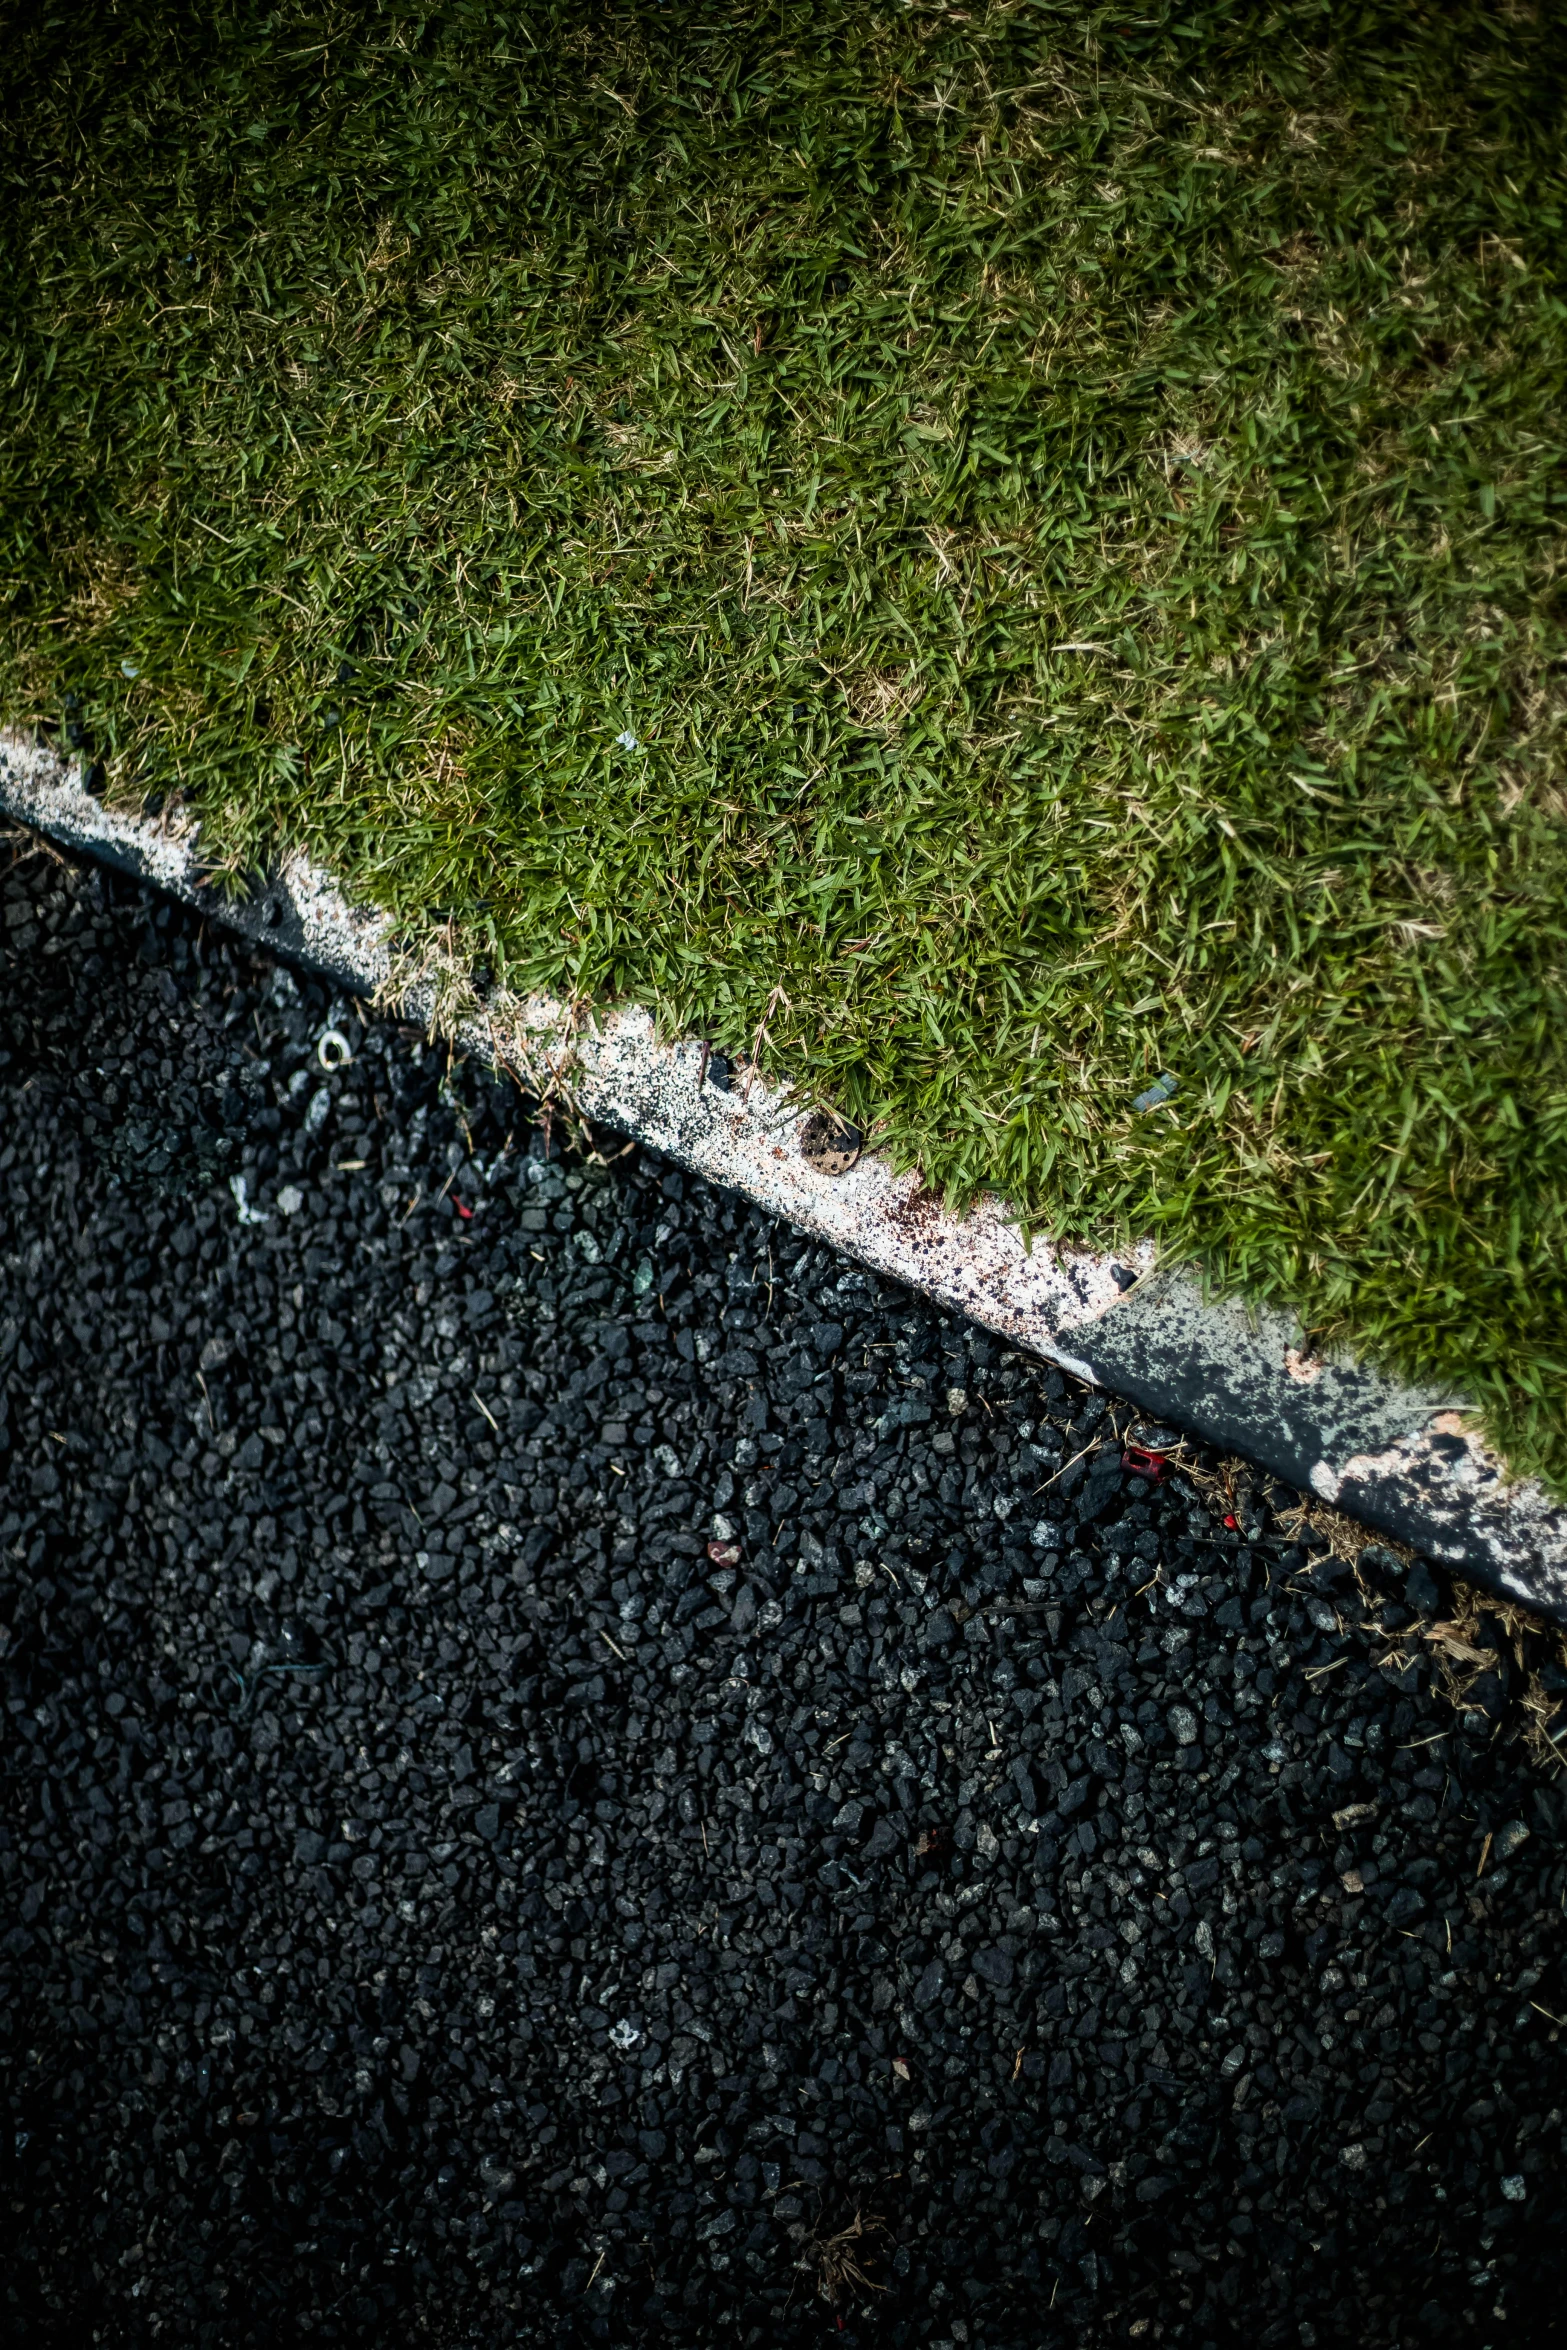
1401 1460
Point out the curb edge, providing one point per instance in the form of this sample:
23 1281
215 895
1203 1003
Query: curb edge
1400 1460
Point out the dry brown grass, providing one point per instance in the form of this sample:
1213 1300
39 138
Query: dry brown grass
1459 1657
838 2262
1461 1645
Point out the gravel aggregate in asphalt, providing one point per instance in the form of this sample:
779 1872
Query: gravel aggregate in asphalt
577 1767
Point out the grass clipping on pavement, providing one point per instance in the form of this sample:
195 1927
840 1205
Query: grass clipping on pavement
1008 550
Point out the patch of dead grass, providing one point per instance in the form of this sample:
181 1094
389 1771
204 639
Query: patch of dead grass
838 2262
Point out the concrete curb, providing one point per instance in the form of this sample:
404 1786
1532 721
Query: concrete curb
1401 1460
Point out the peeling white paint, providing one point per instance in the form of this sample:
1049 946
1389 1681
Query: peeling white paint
1434 1482
617 1070
1461 1484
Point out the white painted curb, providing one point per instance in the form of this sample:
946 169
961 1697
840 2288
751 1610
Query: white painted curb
1397 1459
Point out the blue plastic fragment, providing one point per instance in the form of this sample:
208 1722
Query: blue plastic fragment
1158 1093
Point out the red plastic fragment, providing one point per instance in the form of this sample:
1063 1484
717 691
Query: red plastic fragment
1144 1463
465 1213
1233 1523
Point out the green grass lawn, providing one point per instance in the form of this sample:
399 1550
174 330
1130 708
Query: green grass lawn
1007 548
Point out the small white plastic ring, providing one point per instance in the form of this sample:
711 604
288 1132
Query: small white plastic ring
333 1050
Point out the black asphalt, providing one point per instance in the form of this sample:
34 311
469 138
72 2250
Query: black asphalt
577 1768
